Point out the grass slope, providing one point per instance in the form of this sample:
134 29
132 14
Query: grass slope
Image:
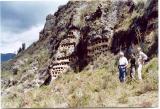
96 88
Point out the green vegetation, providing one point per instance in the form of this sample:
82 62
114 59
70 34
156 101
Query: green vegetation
97 85
26 63
6 74
90 89
125 24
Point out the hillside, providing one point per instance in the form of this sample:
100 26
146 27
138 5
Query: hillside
75 59
7 56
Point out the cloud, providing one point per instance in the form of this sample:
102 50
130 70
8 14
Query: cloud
10 41
17 16
21 22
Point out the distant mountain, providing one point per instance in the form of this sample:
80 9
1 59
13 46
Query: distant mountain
7 56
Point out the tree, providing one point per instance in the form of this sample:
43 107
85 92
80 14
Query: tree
23 46
19 50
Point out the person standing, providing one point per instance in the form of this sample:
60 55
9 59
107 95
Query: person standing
141 59
133 66
123 62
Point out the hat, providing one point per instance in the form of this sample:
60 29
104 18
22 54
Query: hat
138 48
121 53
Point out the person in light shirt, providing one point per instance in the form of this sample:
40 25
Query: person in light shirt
142 57
123 62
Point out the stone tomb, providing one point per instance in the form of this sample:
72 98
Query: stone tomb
62 64
97 47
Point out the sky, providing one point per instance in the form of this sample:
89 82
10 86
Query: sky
21 22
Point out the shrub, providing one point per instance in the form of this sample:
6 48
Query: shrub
123 99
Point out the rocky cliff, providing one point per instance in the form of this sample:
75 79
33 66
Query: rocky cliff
84 36
81 31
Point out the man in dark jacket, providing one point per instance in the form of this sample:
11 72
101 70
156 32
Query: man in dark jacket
133 66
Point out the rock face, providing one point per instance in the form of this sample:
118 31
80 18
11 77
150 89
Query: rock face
81 31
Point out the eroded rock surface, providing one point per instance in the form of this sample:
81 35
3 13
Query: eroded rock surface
81 31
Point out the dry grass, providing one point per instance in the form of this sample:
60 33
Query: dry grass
146 104
98 88
123 99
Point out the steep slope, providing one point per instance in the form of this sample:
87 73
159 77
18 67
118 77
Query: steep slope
82 39
94 88
25 64
85 30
